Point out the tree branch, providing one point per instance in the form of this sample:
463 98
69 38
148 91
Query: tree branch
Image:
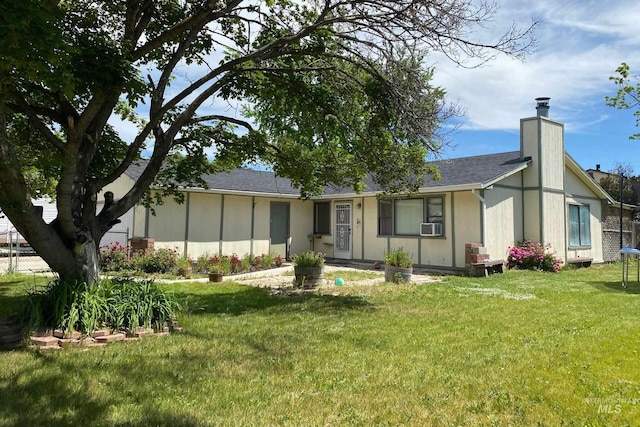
233 120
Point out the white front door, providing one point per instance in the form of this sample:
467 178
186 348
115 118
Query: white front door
342 240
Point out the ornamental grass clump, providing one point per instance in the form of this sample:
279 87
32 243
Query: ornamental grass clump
533 256
118 303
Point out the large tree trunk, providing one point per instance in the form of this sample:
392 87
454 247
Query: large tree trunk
88 263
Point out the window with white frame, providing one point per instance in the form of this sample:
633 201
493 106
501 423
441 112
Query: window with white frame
579 225
402 217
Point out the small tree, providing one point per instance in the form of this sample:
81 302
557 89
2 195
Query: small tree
628 95
611 183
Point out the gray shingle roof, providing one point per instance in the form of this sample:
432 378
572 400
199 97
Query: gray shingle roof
477 169
459 171
463 171
240 179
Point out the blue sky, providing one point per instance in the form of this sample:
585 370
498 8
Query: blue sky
580 44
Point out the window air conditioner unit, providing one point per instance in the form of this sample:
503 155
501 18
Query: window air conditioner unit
430 229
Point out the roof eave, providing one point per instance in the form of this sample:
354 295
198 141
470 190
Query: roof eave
522 166
586 179
238 192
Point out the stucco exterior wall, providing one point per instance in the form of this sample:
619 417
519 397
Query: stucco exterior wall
204 223
216 223
555 222
577 193
139 221
531 215
552 154
119 187
168 225
504 220
465 227
375 246
301 225
529 137
236 224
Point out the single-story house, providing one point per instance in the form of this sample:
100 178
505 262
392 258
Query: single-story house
538 192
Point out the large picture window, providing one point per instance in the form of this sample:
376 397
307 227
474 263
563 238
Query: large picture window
402 217
579 226
322 218
409 214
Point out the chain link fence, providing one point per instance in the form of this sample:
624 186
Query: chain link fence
16 255
115 236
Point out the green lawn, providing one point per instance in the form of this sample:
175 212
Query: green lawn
520 349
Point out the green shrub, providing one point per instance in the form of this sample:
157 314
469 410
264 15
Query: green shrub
309 259
398 258
246 263
267 260
203 262
225 265
159 261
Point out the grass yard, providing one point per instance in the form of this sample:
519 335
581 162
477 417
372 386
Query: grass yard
519 349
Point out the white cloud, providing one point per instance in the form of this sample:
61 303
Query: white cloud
580 46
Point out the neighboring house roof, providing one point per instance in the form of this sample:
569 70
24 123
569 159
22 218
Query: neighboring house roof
596 175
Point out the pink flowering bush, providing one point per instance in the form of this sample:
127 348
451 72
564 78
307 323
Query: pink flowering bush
115 257
533 256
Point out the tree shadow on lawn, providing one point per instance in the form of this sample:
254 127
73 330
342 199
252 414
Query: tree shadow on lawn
633 287
250 299
10 302
45 396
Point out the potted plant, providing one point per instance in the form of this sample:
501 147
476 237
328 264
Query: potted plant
215 273
217 266
308 268
184 266
398 266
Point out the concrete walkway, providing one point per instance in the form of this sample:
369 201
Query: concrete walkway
282 277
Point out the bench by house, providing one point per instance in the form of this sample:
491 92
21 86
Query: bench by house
579 262
483 269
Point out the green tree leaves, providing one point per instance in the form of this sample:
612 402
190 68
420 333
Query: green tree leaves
628 94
